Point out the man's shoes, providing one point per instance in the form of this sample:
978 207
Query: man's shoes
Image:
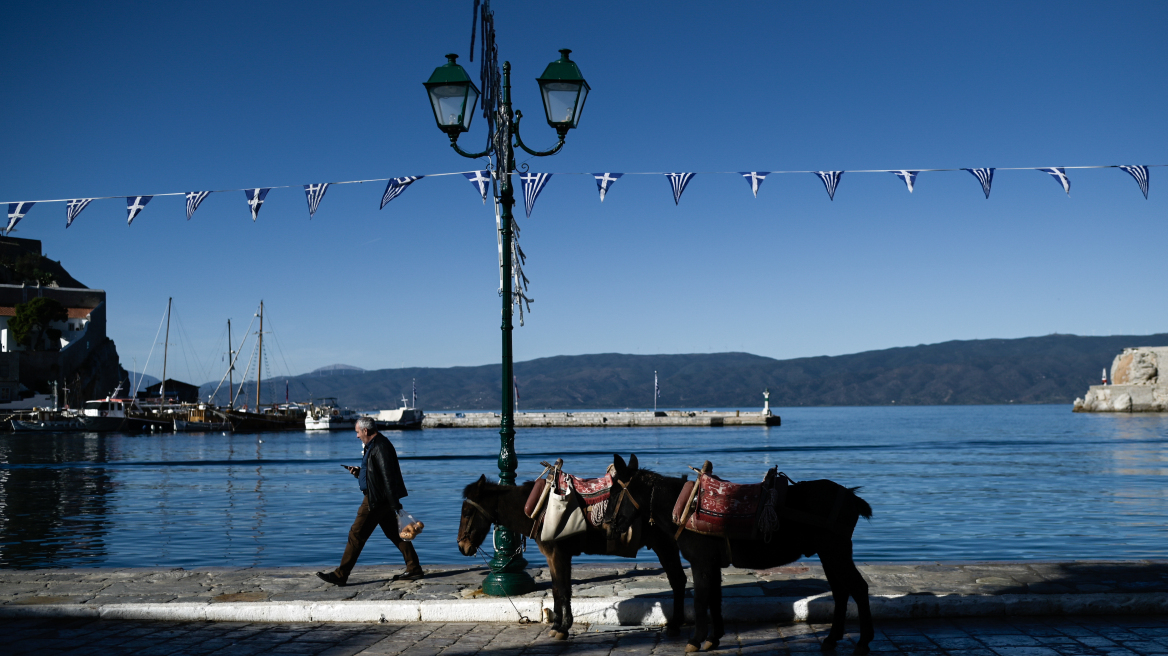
408 576
331 577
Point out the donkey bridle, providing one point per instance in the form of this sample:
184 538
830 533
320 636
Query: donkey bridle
485 513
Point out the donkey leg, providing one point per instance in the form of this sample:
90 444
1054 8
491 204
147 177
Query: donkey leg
719 628
563 593
671 561
703 573
858 588
837 578
549 550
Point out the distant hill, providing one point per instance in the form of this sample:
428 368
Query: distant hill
335 370
1050 369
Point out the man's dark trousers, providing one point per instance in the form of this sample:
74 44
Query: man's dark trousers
368 520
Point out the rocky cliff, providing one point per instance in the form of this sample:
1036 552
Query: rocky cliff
1139 383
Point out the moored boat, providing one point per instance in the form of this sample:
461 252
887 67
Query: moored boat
108 414
406 417
328 416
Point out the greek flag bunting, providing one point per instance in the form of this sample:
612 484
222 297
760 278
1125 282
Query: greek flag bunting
831 180
678 181
1060 176
985 177
73 208
533 183
255 198
481 180
194 198
909 178
134 206
396 186
754 179
314 192
16 212
604 181
1140 173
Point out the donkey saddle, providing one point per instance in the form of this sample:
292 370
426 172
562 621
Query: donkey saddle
712 506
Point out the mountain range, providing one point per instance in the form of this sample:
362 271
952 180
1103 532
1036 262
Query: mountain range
1049 369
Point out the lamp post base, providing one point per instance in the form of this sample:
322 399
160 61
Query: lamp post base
514 580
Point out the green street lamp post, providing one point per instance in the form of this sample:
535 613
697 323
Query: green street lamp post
453 97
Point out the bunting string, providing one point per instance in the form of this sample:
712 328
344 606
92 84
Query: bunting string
533 183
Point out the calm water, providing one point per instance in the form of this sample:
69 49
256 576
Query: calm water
946 483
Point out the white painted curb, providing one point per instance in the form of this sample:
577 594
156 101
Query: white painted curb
626 611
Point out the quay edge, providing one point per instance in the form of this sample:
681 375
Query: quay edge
603 419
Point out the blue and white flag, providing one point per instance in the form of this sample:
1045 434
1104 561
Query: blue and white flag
678 181
255 198
134 206
314 192
754 179
533 183
396 186
656 388
481 180
909 178
73 208
985 177
194 198
1060 175
1140 173
16 212
604 181
830 181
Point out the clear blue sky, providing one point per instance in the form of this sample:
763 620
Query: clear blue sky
127 98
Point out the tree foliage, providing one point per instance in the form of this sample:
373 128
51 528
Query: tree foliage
32 320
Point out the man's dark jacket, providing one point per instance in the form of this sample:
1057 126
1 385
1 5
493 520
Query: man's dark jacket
383 477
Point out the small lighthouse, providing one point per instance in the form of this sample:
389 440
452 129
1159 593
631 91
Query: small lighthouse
1105 375
766 402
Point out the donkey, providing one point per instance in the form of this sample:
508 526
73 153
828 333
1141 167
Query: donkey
655 495
490 503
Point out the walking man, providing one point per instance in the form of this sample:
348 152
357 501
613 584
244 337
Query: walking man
381 481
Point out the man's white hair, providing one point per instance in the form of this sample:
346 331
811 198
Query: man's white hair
366 423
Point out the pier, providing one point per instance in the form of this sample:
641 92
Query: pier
604 418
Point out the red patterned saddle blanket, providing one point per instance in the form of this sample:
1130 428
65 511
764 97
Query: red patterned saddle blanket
723 508
593 491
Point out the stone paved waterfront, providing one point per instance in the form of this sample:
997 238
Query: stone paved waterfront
1039 636
635 594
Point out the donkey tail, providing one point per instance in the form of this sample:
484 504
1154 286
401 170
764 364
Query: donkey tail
862 507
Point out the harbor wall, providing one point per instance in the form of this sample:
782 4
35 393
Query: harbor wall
1139 378
602 419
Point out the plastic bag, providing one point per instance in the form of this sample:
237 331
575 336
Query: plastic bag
408 526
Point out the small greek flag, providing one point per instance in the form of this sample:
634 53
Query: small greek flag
134 206
16 212
830 181
678 181
754 179
396 186
481 180
533 183
414 395
314 192
656 388
909 178
194 198
985 177
73 208
604 181
255 198
515 385
1060 175
1140 173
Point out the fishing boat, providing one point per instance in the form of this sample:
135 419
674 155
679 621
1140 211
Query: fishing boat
277 417
327 415
103 415
200 417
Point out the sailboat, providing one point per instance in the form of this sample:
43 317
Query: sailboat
277 417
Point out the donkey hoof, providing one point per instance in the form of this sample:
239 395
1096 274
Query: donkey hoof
710 645
691 648
559 635
828 644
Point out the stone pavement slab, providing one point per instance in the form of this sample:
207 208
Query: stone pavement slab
1034 636
606 594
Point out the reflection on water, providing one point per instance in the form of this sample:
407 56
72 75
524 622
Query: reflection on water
946 483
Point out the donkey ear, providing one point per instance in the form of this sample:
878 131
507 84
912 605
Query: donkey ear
633 462
619 463
481 482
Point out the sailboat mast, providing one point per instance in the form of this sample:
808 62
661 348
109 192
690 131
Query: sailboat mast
260 368
165 346
230 367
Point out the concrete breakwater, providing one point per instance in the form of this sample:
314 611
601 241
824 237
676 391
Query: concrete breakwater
603 418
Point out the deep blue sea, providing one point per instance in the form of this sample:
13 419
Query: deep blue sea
945 483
